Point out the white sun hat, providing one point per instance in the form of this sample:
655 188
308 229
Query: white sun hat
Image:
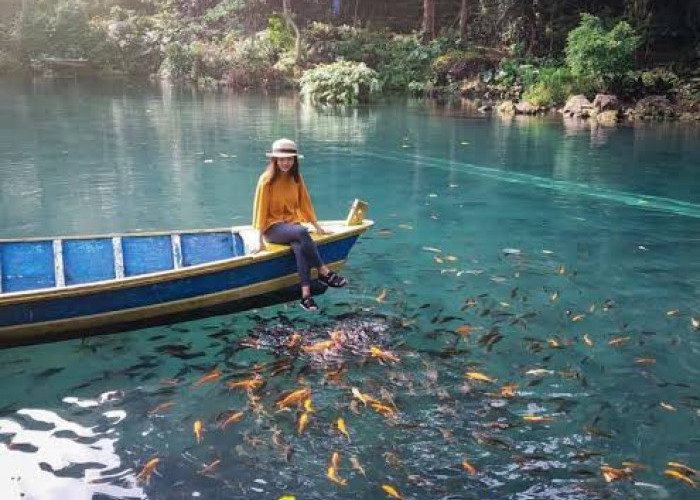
284 148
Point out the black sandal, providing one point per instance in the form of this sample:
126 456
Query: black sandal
333 280
308 304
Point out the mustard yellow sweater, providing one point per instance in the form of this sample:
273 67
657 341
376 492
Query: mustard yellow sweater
281 200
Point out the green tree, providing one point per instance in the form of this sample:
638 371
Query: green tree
594 52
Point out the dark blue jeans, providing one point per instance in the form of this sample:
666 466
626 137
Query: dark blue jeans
305 251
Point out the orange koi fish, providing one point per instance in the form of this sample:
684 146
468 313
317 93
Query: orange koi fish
336 336
645 361
342 429
321 346
464 330
250 384
376 352
308 406
537 418
383 409
509 391
209 377
209 468
364 398
688 471
334 376
611 474
148 470
332 474
578 317
468 467
391 491
680 477
303 422
294 397
479 377
335 460
163 407
232 419
197 427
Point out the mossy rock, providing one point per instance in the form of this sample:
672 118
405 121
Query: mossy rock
457 65
654 107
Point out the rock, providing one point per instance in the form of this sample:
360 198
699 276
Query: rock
605 102
654 107
578 106
607 118
526 108
507 108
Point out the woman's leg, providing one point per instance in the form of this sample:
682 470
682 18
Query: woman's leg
292 234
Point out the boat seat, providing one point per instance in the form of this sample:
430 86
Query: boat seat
26 265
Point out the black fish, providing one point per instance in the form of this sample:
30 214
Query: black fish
48 372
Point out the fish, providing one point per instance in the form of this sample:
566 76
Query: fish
464 330
376 352
618 341
383 409
303 422
645 361
308 406
209 377
250 384
364 398
587 340
295 397
508 391
340 423
680 477
668 406
431 249
335 460
538 372
391 491
479 377
381 297
209 468
197 428
467 466
611 474
577 317
320 346
332 474
673 312
161 408
688 471
232 419
148 470
694 323
562 270
537 418
356 465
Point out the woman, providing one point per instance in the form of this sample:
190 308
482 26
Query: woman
281 204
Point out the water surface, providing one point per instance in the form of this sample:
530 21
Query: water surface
498 244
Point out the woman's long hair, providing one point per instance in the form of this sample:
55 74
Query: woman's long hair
273 171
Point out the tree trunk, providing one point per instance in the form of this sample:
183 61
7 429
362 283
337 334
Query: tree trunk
463 20
429 19
288 17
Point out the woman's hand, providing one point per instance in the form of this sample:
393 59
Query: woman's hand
320 231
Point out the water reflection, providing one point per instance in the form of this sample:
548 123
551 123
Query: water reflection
47 456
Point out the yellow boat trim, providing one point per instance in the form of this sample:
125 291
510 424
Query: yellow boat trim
273 252
22 333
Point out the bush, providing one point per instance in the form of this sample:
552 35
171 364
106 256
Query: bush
659 80
456 65
179 60
554 85
342 82
593 52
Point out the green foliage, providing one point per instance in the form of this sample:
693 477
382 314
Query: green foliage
553 86
342 82
659 80
281 35
58 28
593 52
179 60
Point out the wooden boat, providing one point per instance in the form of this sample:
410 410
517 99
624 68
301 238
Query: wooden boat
52 289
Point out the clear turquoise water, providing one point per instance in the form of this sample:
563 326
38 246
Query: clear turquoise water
511 201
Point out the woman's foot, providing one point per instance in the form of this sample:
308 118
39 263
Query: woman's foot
333 280
308 304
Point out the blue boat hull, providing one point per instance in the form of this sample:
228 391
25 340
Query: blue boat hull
222 287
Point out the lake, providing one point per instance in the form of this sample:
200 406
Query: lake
537 279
